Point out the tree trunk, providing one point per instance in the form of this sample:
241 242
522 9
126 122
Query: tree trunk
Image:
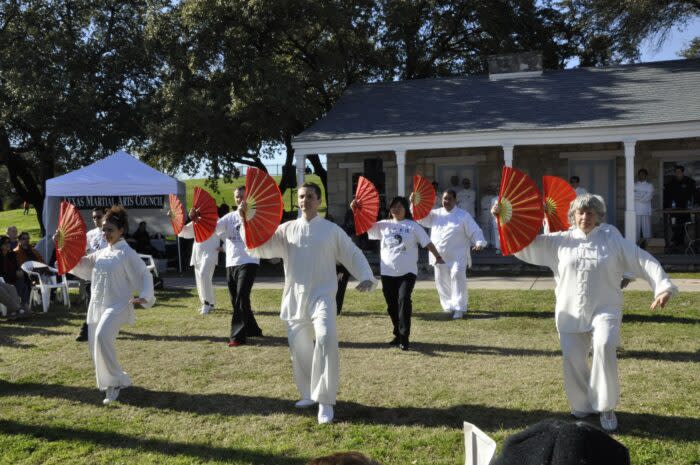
315 161
288 180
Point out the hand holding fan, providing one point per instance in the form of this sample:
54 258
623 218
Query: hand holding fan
423 197
176 213
205 224
520 218
265 206
70 238
367 205
558 195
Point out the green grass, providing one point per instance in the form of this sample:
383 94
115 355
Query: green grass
197 401
23 222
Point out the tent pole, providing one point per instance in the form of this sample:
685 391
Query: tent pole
179 257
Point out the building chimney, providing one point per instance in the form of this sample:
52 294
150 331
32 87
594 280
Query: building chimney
515 65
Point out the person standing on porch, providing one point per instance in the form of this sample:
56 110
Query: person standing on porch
575 182
454 233
466 198
310 247
589 261
643 193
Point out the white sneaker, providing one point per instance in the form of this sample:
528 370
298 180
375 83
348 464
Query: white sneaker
608 421
457 315
112 395
304 403
325 414
204 310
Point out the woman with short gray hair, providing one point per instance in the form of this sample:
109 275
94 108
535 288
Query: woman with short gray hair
588 261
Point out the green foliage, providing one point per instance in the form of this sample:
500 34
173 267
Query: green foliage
692 50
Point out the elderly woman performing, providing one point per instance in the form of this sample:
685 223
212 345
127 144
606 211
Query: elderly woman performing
115 272
588 262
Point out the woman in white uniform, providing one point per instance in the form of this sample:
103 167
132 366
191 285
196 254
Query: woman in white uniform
116 272
400 237
588 261
205 256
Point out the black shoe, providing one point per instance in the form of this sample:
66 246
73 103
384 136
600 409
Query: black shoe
257 333
83 336
404 346
394 342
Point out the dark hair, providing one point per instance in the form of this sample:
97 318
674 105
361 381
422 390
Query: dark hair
23 233
4 239
404 202
239 188
102 210
574 178
118 217
679 167
642 170
314 186
451 192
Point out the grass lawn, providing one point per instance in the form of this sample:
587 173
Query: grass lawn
195 400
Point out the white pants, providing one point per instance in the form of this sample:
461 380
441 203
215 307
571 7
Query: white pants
316 366
595 388
203 274
451 284
644 223
101 339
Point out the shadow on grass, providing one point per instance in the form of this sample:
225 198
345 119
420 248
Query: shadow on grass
487 417
272 341
122 441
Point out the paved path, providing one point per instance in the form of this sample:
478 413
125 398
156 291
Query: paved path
426 282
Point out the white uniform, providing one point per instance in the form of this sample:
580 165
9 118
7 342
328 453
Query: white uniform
466 200
310 250
205 256
95 240
643 193
587 272
453 233
116 272
489 225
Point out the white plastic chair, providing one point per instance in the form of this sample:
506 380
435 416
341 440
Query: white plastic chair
150 263
41 292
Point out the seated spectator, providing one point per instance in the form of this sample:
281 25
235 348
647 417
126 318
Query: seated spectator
25 252
343 458
12 234
142 240
14 277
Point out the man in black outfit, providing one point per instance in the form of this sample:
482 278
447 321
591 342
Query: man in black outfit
679 193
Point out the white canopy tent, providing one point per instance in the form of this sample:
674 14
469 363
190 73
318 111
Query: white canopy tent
119 174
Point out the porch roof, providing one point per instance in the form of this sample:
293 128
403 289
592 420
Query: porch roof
616 96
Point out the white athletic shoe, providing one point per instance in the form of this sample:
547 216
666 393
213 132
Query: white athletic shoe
204 310
457 315
325 414
112 395
304 403
608 421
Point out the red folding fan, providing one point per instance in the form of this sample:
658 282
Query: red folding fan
423 197
177 213
367 205
265 207
71 241
520 218
205 205
558 195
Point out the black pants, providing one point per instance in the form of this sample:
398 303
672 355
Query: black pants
240 284
397 293
342 286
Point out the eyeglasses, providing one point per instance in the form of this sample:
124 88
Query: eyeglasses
96 217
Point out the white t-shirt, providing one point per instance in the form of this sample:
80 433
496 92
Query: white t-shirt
399 245
229 229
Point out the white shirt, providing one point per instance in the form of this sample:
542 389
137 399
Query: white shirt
466 200
453 233
643 193
229 228
201 251
310 250
399 245
95 240
588 270
116 273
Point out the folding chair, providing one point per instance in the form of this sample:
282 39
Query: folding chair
150 263
46 280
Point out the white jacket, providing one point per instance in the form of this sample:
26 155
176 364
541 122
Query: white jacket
453 233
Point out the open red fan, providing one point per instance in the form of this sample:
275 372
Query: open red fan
265 207
71 240
423 197
558 195
205 205
177 213
521 213
367 208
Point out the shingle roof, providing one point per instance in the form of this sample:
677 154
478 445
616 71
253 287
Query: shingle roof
648 93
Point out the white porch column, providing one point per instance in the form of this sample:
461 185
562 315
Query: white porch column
300 159
630 214
507 154
401 172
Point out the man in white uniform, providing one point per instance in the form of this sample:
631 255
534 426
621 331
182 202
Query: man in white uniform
95 241
466 198
643 193
575 181
310 247
205 256
453 232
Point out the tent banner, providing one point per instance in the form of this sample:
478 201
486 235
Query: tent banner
127 201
